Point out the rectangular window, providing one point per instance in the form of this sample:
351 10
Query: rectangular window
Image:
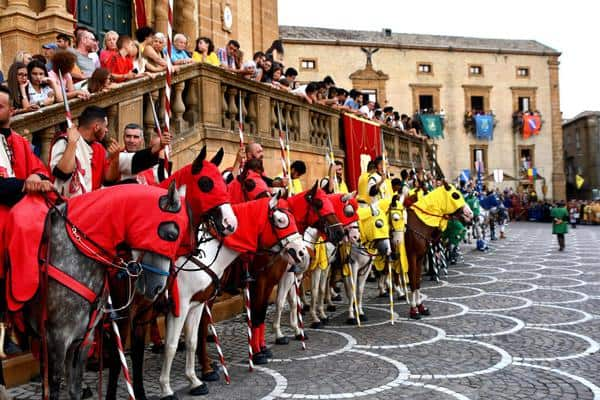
522 72
424 68
477 104
479 154
425 103
369 95
577 139
475 70
308 64
524 104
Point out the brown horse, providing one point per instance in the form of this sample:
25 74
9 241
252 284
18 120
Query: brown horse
427 219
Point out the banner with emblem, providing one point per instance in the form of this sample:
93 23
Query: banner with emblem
532 124
432 125
363 138
484 126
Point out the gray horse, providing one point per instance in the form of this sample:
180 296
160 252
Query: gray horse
71 318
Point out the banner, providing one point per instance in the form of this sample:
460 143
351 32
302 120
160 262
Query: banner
465 175
484 126
432 125
579 181
498 175
532 174
362 137
139 11
531 125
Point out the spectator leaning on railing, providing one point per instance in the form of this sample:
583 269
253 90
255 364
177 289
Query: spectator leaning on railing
205 52
40 89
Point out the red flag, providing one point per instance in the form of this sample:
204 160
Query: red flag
362 137
531 125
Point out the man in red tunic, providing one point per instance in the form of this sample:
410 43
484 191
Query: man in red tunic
21 172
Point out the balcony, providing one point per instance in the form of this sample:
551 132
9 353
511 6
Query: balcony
206 104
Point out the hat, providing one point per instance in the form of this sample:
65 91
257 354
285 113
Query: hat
52 46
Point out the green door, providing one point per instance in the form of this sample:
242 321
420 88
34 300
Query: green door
102 16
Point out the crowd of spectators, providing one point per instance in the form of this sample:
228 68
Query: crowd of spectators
86 67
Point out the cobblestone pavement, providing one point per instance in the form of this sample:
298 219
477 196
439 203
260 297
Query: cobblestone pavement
521 321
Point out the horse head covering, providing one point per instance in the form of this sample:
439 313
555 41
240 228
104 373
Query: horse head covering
310 206
247 187
345 206
145 218
204 185
433 208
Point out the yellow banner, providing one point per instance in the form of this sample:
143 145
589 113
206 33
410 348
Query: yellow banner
579 181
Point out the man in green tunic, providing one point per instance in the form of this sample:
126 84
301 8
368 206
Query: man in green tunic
560 219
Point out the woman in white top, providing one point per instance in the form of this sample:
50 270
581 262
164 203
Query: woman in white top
39 89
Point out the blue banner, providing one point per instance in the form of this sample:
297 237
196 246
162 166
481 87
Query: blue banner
484 126
432 125
465 175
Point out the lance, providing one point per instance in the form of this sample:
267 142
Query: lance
284 161
158 129
287 146
336 188
65 100
241 128
169 72
121 355
211 325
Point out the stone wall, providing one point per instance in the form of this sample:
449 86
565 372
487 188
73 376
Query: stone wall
450 83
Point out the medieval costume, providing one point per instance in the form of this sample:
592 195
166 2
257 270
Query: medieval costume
560 226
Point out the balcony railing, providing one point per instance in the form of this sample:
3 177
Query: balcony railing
206 103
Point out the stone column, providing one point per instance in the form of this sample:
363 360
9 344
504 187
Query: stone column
161 16
559 184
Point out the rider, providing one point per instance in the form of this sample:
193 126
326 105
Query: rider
139 164
78 161
21 172
335 177
380 186
363 184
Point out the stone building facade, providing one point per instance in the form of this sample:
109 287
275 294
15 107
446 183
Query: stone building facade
456 75
582 154
27 24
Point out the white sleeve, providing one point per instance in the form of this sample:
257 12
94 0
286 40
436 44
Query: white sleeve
125 163
57 152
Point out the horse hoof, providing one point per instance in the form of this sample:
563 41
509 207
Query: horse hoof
337 298
363 317
331 308
299 337
306 308
316 325
87 393
351 321
383 295
414 314
267 352
424 310
170 397
282 340
201 390
325 320
260 359
212 376
401 298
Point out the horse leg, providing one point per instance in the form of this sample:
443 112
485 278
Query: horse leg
76 363
422 310
293 299
283 289
191 326
138 343
208 372
114 364
349 283
314 295
173 332
361 291
323 290
57 353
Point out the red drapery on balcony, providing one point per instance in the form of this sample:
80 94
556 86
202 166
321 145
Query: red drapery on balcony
362 137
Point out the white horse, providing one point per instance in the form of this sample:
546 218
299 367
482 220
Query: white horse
198 276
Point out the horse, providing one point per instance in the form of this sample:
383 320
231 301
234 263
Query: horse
426 220
208 200
310 208
81 238
374 244
265 226
345 207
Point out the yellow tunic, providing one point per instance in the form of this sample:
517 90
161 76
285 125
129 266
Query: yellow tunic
363 188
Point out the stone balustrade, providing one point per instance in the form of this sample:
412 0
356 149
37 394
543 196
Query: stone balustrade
207 105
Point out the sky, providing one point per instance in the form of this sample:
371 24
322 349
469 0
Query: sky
573 28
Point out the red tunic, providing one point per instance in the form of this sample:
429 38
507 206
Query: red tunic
117 64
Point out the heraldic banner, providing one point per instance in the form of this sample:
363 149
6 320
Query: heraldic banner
362 137
484 127
432 125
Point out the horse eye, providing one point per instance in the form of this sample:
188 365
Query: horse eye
379 223
281 220
348 211
205 184
168 231
396 217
